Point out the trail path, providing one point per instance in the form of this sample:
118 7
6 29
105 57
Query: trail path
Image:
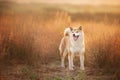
51 72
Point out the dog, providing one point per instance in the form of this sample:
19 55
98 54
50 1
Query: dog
71 44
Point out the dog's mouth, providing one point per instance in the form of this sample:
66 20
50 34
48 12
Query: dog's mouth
75 37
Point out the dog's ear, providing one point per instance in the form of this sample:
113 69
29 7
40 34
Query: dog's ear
80 28
71 28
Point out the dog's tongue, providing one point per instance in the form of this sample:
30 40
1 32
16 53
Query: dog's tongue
75 38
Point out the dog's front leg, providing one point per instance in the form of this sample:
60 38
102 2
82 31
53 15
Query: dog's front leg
72 57
70 62
82 61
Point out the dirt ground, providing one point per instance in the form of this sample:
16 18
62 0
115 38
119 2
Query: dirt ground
51 71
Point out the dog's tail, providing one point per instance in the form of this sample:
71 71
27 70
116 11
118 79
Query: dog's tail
66 32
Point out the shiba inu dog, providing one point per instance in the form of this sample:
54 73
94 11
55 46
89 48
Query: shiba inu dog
71 44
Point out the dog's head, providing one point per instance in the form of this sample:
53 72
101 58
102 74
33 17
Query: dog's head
75 32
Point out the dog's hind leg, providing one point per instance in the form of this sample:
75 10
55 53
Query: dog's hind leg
62 46
63 58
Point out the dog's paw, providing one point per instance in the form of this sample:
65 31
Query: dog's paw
71 69
73 66
63 66
82 68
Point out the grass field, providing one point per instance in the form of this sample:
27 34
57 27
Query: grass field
30 35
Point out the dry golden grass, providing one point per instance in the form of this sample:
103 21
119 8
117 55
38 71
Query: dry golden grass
30 39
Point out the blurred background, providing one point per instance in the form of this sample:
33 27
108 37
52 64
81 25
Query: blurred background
31 31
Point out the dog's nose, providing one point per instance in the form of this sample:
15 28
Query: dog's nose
73 34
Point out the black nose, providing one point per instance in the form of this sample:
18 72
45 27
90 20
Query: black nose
73 34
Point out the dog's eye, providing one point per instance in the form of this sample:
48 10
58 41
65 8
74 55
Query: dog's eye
76 31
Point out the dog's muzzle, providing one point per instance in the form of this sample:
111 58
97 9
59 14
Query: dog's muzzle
75 37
